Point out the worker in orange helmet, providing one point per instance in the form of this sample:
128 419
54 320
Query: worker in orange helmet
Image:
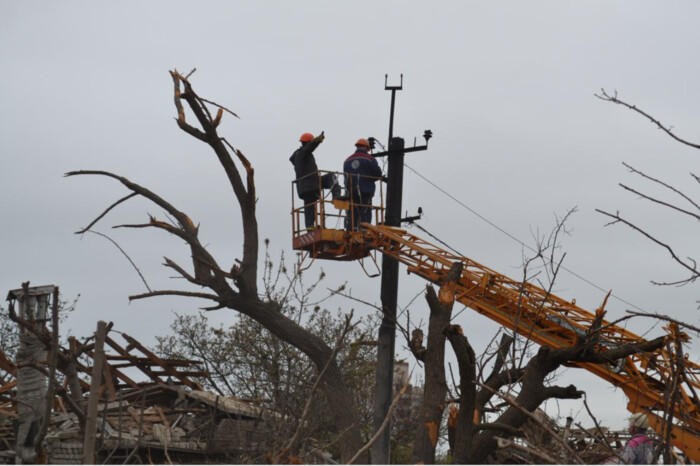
306 172
361 173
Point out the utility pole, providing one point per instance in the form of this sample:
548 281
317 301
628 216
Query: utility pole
386 340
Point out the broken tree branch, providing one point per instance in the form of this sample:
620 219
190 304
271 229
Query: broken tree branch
138 271
87 228
191 294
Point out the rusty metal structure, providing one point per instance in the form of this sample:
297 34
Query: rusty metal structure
528 310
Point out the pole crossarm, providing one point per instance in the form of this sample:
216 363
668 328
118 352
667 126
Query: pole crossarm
549 320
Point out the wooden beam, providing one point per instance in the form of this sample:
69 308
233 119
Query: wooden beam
91 419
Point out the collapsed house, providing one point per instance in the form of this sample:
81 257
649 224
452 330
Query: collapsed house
164 417
159 423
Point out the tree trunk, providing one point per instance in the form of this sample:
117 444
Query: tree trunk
435 390
338 396
243 273
464 436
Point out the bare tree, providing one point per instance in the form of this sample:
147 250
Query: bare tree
236 286
247 361
475 442
686 207
524 383
689 206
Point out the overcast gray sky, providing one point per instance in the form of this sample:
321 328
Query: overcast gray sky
506 87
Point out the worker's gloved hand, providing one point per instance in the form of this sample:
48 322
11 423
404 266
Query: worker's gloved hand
320 137
385 179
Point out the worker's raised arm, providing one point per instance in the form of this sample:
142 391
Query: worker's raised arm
311 146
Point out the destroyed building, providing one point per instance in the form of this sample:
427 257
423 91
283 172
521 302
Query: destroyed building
147 409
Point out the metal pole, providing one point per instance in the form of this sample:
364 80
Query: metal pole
389 296
393 90
391 117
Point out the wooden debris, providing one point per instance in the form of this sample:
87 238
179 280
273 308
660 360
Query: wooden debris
166 416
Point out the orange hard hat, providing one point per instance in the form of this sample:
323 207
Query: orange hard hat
306 137
362 142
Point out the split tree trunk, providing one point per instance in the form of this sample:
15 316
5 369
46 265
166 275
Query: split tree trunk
435 390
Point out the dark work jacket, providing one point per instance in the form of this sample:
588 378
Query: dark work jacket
305 164
363 164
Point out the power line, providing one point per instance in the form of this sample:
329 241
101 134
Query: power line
523 244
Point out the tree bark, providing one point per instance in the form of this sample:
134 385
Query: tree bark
464 435
435 389
338 396
245 277
208 274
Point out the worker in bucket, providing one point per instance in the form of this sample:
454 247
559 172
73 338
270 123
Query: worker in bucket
305 169
361 173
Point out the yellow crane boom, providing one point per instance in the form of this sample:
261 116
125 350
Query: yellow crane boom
549 320
544 318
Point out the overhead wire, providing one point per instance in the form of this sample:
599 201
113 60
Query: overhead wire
509 235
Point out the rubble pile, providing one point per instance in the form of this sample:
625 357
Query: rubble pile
189 426
168 418
544 441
